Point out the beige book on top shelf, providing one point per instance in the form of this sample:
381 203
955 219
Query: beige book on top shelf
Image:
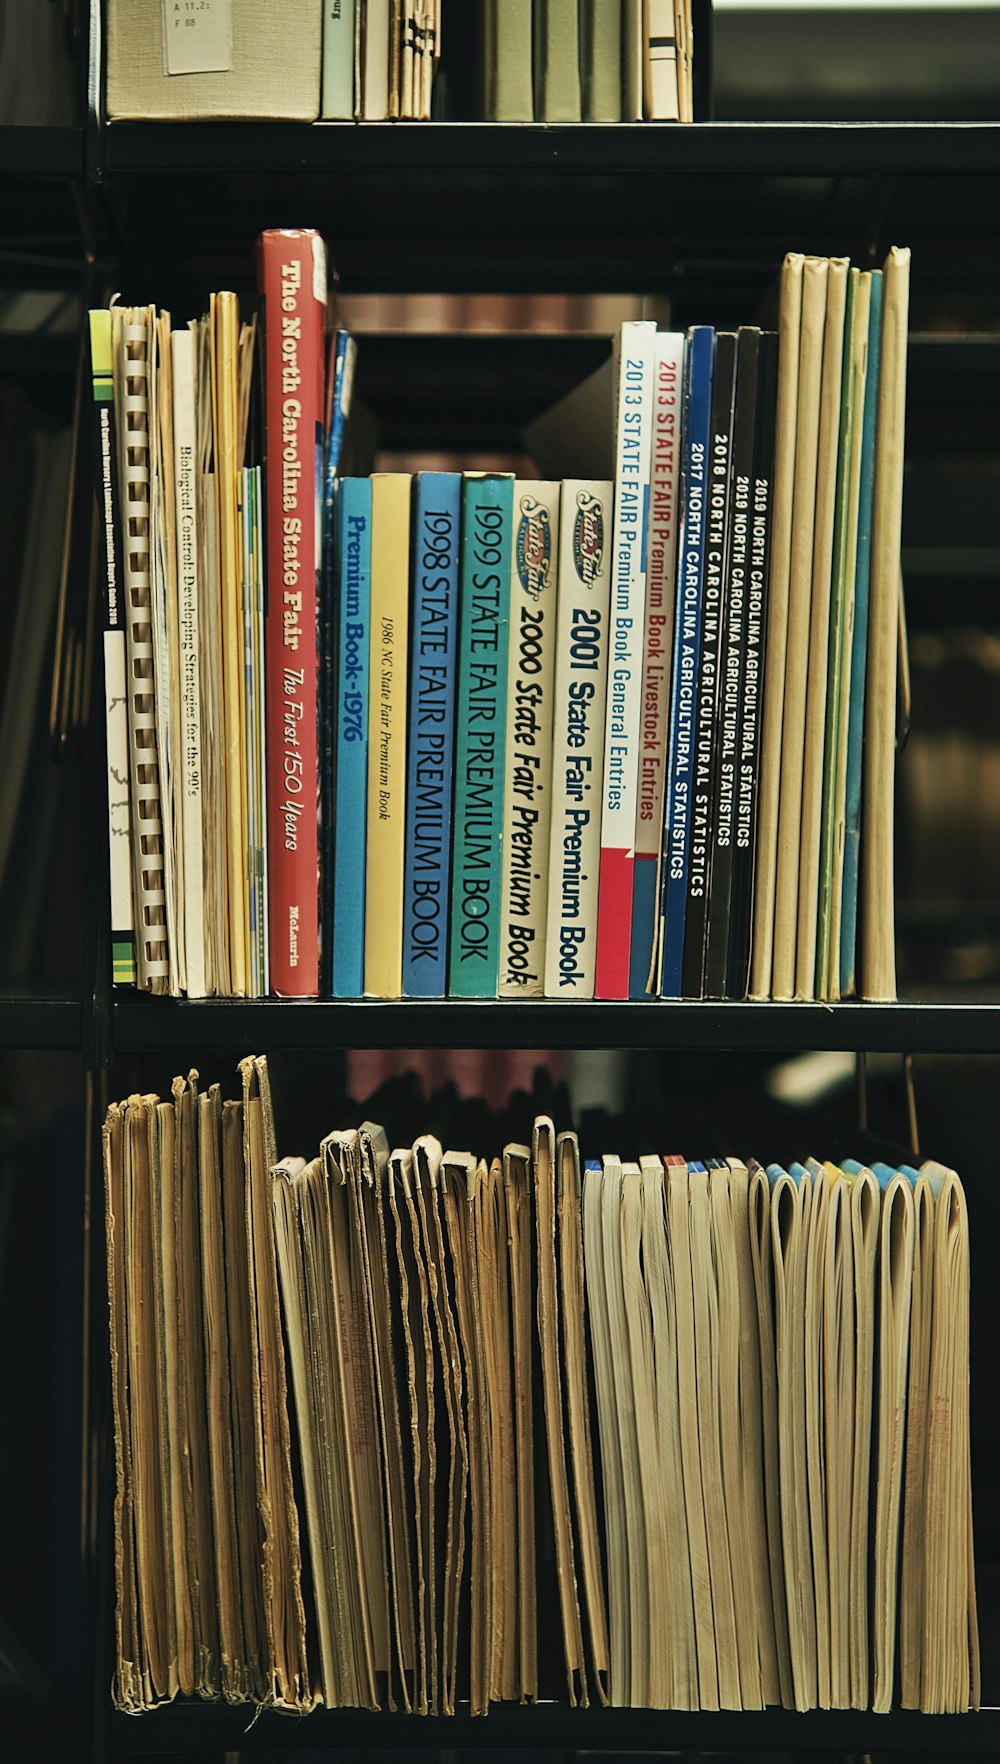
230 58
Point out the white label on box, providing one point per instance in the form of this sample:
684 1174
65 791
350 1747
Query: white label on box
198 36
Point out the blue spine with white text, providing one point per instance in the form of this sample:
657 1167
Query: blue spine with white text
474 928
354 551
430 740
687 653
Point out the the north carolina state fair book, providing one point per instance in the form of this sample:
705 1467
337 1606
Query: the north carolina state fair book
292 279
635 362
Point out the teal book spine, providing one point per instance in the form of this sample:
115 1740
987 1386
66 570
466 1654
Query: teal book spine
337 95
431 734
859 653
474 933
353 562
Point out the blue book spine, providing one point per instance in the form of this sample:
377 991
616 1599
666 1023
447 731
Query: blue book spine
430 740
859 652
354 558
474 931
687 653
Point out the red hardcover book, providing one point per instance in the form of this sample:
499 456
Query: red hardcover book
292 283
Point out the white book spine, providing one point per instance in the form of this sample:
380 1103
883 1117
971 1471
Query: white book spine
661 587
528 756
133 341
659 71
635 364
186 511
581 670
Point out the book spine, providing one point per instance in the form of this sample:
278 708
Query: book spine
841 624
431 734
350 808
375 99
659 70
661 584
632 61
557 61
293 286
732 665
337 99
878 939
713 614
528 754
752 683
339 383
581 670
635 363
508 61
185 455
388 652
115 694
133 398
474 931
601 60
859 653
687 651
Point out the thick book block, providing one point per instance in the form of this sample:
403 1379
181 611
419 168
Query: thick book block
557 61
507 61
233 58
601 60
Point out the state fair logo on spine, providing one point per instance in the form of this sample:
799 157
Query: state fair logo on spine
534 547
588 537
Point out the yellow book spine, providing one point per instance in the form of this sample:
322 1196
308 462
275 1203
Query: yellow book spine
387 735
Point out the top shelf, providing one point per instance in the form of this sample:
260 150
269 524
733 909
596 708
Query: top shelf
791 149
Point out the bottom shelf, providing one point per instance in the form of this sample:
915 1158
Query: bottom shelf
204 1727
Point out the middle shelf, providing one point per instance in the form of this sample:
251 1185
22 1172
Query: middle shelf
241 1025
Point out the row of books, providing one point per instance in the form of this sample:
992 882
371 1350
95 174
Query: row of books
589 60
407 1428
376 60
626 733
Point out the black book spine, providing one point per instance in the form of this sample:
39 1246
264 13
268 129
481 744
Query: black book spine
706 701
732 663
744 849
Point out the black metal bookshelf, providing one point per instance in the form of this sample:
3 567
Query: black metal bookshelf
459 206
